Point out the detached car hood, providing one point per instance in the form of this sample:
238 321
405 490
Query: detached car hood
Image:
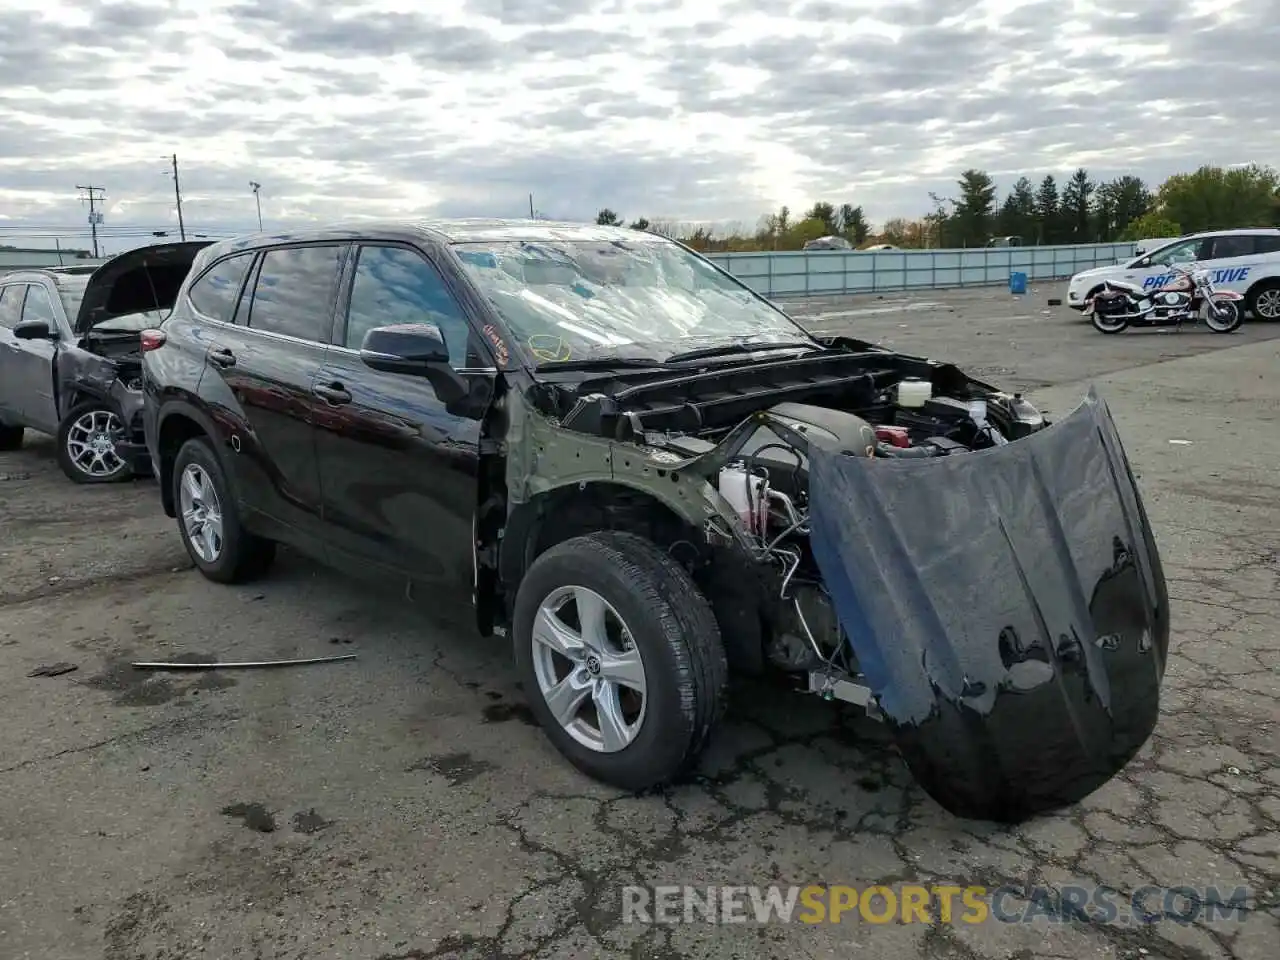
136 281
1007 607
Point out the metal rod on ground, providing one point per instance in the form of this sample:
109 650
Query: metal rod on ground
243 664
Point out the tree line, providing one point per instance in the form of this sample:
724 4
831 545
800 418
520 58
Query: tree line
1079 210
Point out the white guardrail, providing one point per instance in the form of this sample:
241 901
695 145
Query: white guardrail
835 272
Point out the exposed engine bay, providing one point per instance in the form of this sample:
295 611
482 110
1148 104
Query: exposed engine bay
750 427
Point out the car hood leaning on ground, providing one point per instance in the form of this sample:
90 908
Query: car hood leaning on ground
1008 610
137 281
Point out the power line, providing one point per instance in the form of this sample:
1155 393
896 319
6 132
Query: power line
94 216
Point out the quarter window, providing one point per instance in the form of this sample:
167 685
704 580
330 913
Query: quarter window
293 295
216 294
394 285
1266 244
11 304
39 306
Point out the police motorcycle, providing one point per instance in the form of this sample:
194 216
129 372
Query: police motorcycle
1181 299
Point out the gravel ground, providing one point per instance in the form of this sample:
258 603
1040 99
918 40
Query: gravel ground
401 805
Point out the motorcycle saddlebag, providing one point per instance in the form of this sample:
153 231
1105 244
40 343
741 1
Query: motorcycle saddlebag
1007 608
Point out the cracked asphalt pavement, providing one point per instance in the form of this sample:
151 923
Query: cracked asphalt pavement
402 804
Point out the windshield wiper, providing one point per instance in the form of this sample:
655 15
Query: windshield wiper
726 349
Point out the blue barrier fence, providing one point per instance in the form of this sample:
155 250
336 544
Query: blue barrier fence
834 272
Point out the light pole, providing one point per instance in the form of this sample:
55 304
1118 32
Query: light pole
256 187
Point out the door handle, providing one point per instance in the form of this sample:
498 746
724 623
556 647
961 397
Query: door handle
222 357
334 392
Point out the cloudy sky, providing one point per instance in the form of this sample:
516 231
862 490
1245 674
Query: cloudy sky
709 110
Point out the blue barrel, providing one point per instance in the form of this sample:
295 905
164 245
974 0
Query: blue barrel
1017 282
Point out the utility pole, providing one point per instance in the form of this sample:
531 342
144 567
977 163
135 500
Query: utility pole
532 215
177 192
255 186
95 217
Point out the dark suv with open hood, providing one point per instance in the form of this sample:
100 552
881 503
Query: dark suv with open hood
70 356
647 475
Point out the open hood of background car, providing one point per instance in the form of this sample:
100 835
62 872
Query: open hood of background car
1007 608
145 279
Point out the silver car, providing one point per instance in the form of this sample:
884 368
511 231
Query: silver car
70 357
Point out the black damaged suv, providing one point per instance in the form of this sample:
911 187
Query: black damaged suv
646 474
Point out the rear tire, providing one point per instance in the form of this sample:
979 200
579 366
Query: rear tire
209 519
663 623
1108 326
10 437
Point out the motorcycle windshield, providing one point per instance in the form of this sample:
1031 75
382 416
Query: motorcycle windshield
1007 607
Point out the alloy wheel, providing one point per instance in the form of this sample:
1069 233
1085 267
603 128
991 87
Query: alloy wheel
1267 304
589 669
91 443
201 512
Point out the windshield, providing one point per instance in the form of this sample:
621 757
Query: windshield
567 300
71 289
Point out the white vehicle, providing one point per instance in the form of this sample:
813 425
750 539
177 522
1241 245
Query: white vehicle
1244 261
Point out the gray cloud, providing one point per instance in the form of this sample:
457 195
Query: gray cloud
469 109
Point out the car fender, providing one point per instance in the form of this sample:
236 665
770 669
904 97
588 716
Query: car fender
172 404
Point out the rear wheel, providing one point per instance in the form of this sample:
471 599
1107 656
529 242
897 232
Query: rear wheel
1264 301
1223 316
10 437
1105 324
621 658
209 519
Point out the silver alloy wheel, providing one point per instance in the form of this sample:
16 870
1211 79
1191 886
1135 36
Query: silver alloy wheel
589 669
201 512
1267 304
91 443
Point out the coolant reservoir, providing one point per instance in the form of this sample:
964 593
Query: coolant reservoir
745 493
914 392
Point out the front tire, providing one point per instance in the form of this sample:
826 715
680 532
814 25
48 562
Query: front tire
87 444
10 437
621 658
1227 321
209 519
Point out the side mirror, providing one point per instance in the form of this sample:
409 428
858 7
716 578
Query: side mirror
34 330
417 350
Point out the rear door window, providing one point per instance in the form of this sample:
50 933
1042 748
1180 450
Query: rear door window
294 292
1223 248
1266 244
216 294
11 304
